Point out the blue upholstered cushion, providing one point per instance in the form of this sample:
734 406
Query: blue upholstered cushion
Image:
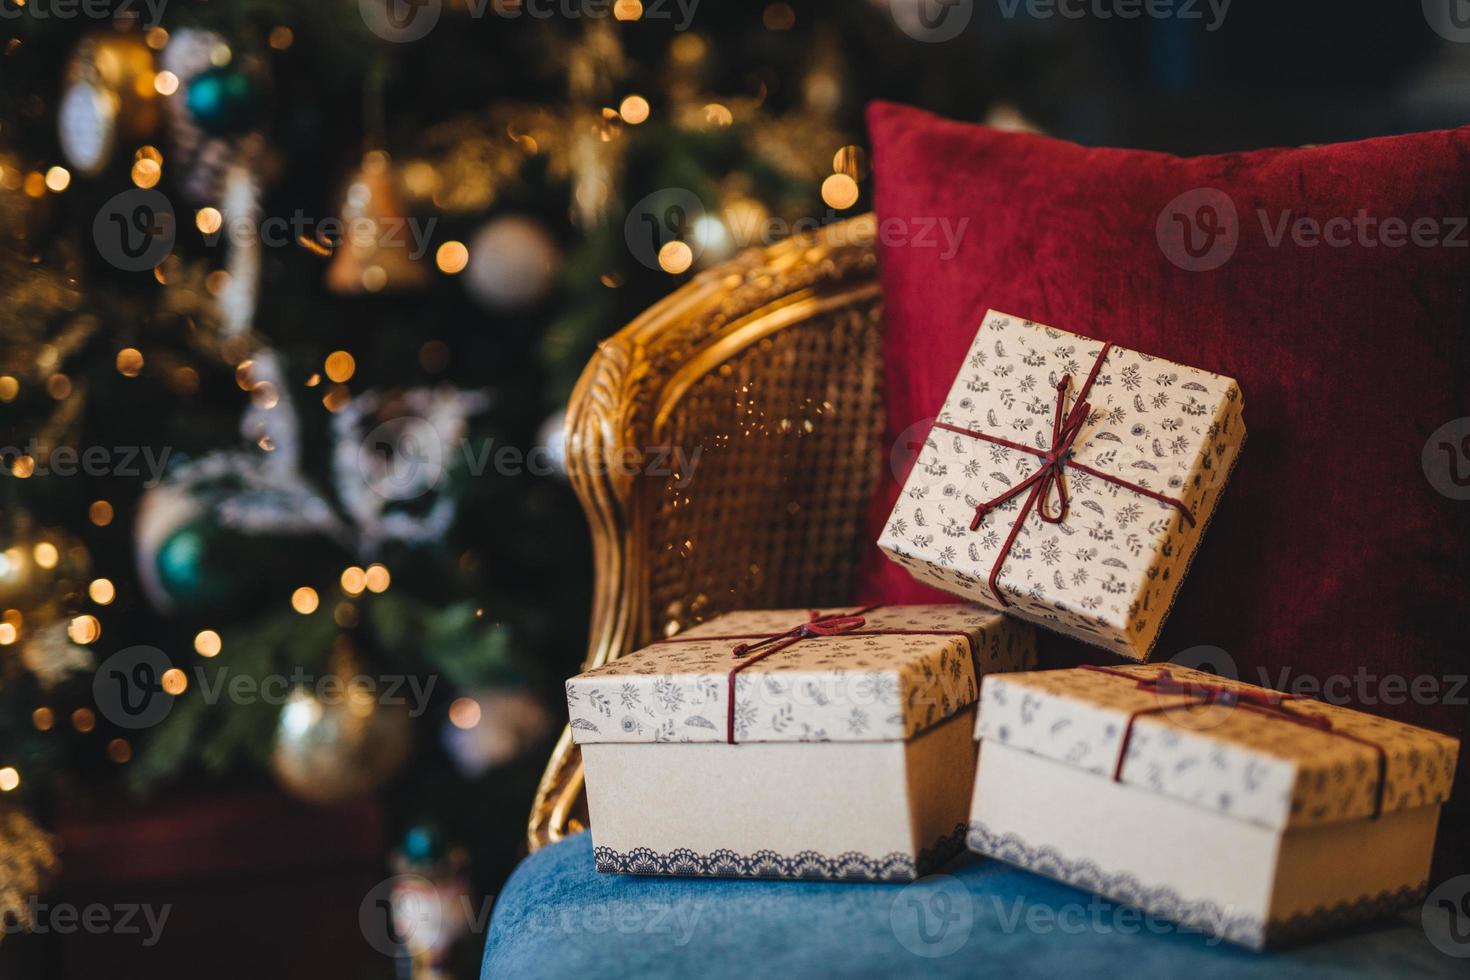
559 918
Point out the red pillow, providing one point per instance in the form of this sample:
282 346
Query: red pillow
1339 549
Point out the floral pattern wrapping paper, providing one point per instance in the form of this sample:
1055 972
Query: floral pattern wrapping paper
1108 573
846 688
1232 760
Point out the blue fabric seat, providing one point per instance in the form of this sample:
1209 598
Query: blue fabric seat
557 917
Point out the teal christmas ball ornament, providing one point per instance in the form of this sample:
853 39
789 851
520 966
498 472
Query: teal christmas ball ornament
195 565
222 101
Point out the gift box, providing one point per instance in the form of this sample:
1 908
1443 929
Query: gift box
1253 815
1068 481
791 743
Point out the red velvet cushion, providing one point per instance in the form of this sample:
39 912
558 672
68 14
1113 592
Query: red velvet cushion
1331 550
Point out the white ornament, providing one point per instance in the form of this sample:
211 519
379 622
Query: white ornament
86 126
513 262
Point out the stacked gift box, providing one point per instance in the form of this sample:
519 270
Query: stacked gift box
1066 483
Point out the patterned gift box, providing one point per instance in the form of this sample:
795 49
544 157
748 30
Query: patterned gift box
1068 481
845 753
1269 817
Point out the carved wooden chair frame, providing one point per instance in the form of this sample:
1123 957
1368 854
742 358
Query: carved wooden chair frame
725 445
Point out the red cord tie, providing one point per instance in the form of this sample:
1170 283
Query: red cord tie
1273 704
817 625
1050 478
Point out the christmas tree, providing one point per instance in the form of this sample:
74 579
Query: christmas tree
293 296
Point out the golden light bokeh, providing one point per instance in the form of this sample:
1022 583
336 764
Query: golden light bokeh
9 388
304 600
376 578
840 192
340 366
336 398
207 643
675 257
778 17
58 179
46 554
129 362
165 83
119 751
102 591
281 38
634 110
83 720
208 220
717 114
58 386
627 10
146 172
452 257
22 467
43 718
8 634
464 713
354 580
851 160
84 629
9 779
99 512
174 681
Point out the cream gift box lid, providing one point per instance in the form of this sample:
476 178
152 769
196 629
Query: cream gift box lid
1234 759
851 687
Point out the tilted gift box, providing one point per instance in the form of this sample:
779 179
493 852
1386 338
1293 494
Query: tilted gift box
1245 813
845 753
1068 481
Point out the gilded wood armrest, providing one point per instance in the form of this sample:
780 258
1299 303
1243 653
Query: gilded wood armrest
724 446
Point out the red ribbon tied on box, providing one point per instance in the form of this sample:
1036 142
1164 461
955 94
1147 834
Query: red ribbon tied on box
1050 478
817 625
1272 704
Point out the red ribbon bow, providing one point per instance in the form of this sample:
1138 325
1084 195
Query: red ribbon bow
817 625
1051 477
1273 704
